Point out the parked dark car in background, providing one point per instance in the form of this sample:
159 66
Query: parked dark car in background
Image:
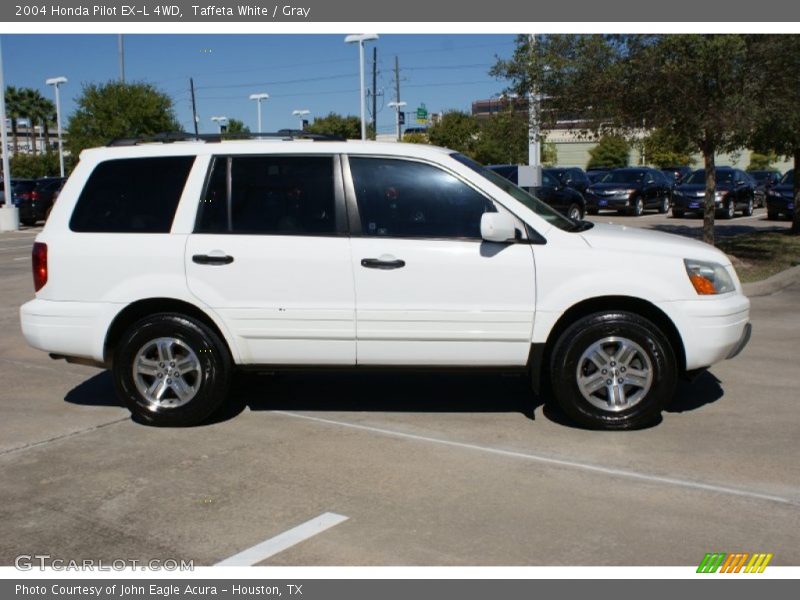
20 189
735 192
780 198
564 199
595 175
765 180
572 177
36 204
630 190
676 173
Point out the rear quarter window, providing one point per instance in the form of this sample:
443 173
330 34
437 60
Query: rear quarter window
132 195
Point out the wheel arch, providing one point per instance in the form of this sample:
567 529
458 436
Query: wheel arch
149 306
540 352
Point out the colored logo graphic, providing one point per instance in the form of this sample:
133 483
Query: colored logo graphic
741 562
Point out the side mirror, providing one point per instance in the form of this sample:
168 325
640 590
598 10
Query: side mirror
498 227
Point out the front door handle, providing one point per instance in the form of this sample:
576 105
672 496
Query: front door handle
377 263
212 259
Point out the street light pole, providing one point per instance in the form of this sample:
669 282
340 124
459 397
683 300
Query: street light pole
220 121
300 113
361 39
397 106
9 214
258 98
57 82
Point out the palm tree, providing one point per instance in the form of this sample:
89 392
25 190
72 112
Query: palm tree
29 108
48 116
13 105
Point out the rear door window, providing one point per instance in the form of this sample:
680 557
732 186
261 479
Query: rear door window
132 195
276 195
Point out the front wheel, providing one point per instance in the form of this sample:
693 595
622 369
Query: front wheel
171 370
730 209
613 370
663 208
748 210
638 207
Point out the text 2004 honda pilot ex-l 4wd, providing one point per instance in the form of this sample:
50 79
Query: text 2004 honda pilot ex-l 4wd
175 263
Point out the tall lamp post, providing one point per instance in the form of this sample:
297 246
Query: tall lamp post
9 214
361 39
258 98
220 121
397 106
300 113
57 82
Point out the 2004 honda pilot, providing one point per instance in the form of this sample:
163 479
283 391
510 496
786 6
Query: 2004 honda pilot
173 263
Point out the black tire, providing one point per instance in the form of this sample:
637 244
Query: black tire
637 210
663 208
677 213
574 212
585 332
729 210
748 210
212 381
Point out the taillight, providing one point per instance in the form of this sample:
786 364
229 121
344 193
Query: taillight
34 195
39 265
25 196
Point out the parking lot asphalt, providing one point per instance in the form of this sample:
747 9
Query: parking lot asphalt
428 469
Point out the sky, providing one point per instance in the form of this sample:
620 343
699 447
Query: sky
299 71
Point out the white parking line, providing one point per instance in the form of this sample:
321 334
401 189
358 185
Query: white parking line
4 248
685 483
283 541
21 258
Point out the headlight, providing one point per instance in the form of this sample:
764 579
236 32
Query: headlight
719 195
708 278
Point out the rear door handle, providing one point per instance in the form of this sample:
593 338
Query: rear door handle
212 259
377 263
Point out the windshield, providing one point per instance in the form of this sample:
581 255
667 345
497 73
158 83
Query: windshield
788 179
760 176
623 177
520 195
699 177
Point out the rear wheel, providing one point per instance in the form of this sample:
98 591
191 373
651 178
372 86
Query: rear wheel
171 370
613 370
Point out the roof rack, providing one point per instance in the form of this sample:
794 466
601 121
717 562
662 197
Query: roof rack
184 136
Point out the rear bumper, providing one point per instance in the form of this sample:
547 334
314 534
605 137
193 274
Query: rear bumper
67 328
712 329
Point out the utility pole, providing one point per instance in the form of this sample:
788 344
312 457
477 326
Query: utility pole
375 92
121 52
194 109
397 94
534 140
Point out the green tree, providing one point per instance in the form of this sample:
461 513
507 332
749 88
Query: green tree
611 151
549 153
456 130
41 165
415 138
503 139
663 148
761 162
348 127
235 126
775 64
697 86
118 110
14 105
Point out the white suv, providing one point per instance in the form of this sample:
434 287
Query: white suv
174 263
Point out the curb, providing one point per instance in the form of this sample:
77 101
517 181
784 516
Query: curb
773 284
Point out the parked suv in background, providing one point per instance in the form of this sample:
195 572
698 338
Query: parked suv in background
765 181
553 192
735 192
36 204
780 198
571 177
173 263
631 190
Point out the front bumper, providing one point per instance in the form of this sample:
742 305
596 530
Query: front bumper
607 202
712 329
